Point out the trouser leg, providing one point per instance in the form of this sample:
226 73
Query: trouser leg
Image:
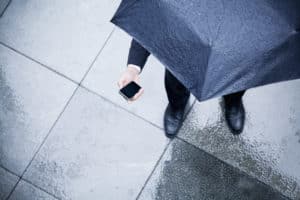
177 94
234 97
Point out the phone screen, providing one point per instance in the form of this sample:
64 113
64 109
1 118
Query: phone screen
130 90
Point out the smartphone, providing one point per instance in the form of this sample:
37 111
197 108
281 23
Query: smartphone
130 90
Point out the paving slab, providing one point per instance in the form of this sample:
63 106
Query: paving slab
108 68
269 147
26 191
32 98
7 182
97 151
186 172
64 35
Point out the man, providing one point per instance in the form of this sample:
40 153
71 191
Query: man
178 95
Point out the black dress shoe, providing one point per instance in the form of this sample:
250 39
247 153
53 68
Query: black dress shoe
173 119
235 115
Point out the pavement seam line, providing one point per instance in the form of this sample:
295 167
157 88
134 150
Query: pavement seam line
234 167
40 188
128 111
153 170
13 189
9 2
44 140
9 171
57 72
38 62
117 105
161 156
96 58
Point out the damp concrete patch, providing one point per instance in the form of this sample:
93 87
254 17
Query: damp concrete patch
186 172
269 147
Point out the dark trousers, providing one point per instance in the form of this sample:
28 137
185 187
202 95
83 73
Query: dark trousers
178 95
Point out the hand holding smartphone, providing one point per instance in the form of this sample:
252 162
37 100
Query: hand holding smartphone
130 90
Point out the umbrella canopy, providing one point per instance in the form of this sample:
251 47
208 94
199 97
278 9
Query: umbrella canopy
218 47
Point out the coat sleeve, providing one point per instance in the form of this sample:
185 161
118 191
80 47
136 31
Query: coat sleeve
138 55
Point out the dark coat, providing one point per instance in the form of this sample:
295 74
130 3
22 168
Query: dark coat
217 47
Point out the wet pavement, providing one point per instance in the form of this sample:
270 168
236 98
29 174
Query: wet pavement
268 149
32 98
187 172
66 133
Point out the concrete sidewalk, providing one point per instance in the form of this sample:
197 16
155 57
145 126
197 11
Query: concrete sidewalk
66 133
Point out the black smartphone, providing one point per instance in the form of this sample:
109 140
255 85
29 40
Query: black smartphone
129 90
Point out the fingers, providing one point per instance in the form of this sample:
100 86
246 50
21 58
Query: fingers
137 95
122 83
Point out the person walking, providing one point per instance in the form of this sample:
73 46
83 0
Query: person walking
178 95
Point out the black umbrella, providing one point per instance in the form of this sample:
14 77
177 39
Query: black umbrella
217 47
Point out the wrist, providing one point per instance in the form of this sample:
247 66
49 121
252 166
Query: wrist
134 68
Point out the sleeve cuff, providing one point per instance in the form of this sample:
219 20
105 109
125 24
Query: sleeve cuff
136 67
